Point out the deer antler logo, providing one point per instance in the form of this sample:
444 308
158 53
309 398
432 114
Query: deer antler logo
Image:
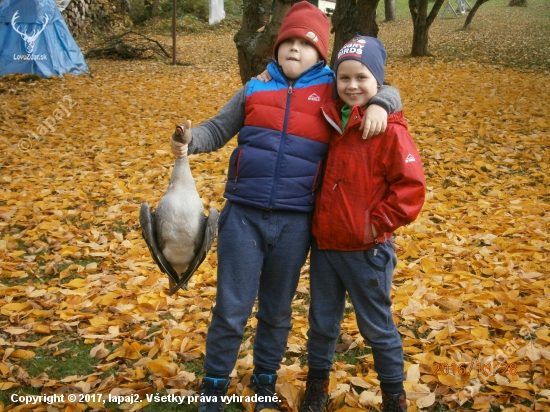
29 39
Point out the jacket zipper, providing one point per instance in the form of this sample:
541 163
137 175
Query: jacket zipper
237 166
314 186
281 149
283 137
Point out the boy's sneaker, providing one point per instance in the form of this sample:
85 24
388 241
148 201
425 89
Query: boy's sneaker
212 390
394 402
316 396
264 385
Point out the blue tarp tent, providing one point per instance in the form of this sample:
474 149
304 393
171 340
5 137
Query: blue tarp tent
35 39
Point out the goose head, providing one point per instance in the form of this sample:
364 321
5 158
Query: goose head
183 133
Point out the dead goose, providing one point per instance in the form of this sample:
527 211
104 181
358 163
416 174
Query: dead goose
178 234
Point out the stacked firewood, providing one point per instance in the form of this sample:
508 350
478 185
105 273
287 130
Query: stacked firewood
83 15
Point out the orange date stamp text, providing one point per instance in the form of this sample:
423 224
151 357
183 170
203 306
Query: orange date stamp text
465 368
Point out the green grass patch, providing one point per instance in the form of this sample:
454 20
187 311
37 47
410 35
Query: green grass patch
73 359
194 366
5 396
9 282
68 359
120 227
401 10
350 357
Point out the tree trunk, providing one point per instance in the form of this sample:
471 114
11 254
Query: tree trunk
389 7
472 13
155 8
258 34
518 3
350 18
421 24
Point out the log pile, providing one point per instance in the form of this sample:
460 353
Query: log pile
84 15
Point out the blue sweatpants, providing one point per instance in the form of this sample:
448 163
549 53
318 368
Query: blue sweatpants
366 275
260 253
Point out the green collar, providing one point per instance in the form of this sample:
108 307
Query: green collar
346 112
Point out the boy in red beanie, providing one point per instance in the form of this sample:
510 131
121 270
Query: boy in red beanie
370 188
264 228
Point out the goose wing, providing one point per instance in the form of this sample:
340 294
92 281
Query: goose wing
147 222
209 235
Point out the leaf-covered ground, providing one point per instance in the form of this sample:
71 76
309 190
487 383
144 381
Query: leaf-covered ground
83 309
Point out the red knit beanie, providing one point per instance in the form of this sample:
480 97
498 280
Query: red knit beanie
308 22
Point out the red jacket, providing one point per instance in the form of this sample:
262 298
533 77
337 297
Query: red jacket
379 181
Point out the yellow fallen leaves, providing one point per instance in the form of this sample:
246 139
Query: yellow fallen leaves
471 285
18 353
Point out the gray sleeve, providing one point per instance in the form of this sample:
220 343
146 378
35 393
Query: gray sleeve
388 98
217 131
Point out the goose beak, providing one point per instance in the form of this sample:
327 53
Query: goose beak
179 134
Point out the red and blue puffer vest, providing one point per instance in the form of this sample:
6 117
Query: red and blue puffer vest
284 141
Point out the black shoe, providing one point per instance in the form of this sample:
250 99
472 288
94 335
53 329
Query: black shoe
212 390
316 396
394 402
264 385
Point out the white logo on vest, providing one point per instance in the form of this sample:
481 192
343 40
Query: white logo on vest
314 97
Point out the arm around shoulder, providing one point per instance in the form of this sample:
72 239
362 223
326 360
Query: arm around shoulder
388 97
384 103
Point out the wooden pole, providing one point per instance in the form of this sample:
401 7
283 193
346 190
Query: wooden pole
174 32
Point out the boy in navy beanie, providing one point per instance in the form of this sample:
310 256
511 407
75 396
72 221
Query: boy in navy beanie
368 50
370 188
264 229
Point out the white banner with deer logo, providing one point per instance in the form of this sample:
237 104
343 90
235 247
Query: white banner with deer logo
29 39
35 39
